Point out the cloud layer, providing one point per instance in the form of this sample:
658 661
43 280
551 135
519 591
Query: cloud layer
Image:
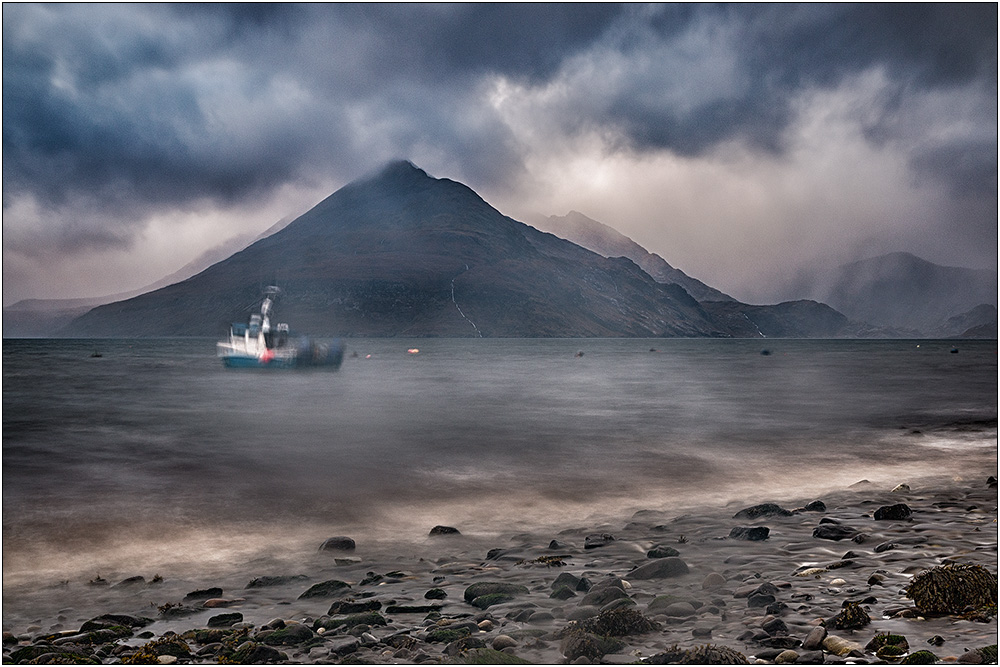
738 141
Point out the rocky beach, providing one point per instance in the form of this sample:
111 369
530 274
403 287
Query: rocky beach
902 574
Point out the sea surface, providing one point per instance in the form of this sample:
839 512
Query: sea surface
154 458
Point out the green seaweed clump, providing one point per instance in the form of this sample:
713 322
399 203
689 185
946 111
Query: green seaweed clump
447 635
890 651
708 654
953 589
920 658
619 623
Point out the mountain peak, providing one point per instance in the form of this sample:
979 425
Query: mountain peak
398 169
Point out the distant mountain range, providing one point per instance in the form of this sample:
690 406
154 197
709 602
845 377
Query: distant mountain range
909 294
401 253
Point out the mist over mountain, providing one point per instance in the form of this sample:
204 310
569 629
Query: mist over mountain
31 318
606 241
905 292
405 254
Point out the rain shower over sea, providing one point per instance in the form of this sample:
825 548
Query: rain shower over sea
153 458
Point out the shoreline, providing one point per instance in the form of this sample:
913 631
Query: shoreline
706 584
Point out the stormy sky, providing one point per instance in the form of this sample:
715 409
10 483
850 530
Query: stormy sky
742 143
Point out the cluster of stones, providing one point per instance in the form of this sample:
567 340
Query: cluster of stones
592 614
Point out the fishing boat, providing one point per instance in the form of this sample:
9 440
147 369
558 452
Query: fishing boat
259 344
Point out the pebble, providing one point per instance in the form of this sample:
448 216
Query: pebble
786 657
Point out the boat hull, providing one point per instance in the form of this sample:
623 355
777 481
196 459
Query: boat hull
311 355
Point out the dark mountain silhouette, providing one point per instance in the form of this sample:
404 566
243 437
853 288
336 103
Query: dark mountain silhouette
405 254
909 293
606 241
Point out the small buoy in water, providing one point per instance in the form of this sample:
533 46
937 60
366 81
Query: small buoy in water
368 356
579 353
765 353
413 350
652 349
954 350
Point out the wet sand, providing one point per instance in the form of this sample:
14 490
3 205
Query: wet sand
696 579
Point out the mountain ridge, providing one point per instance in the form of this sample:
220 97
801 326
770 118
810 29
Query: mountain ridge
609 242
402 253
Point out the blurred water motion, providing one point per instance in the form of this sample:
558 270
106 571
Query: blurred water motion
155 439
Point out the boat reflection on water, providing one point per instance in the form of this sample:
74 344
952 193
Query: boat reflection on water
258 344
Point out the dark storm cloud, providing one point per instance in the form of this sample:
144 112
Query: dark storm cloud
779 49
112 113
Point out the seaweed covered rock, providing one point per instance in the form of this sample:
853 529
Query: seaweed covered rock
254 653
617 623
851 617
290 635
920 658
701 655
447 635
884 639
577 643
986 655
952 589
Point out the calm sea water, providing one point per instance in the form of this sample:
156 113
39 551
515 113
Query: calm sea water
155 455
